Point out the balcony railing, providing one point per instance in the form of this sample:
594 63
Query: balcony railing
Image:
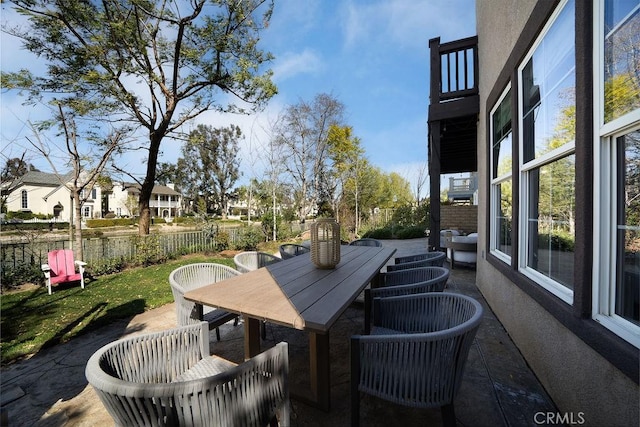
454 69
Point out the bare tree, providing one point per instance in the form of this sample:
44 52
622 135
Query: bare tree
302 133
86 167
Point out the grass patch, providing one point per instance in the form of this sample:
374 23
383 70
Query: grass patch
34 320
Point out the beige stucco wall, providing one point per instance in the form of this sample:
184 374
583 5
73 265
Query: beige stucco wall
577 378
37 203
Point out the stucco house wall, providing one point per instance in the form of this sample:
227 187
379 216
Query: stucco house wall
46 195
165 201
582 381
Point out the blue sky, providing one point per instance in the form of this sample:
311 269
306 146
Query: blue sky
372 55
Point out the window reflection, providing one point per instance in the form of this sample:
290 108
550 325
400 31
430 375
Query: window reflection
621 58
548 88
551 220
504 217
628 268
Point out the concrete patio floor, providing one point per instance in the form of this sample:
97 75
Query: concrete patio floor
498 388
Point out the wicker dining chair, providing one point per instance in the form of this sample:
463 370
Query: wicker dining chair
425 259
193 276
404 282
416 353
366 242
253 260
290 250
168 378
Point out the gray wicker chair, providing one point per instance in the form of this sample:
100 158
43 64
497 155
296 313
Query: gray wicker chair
426 259
193 276
253 260
168 379
366 242
416 353
404 282
290 250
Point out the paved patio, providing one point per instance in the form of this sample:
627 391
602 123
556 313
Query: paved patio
498 388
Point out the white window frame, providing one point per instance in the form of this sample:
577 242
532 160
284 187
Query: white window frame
493 248
605 205
556 288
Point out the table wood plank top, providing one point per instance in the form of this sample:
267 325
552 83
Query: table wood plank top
294 292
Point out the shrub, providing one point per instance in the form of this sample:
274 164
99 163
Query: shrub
412 232
106 266
148 250
249 238
379 233
21 274
112 222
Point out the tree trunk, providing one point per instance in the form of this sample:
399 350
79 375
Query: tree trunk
77 207
147 185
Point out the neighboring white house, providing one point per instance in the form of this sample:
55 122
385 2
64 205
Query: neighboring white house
165 201
45 193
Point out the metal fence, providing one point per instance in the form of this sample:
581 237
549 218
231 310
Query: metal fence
13 254
34 252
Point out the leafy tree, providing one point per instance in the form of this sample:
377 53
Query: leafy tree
210 162
14 168
156 64
348 160
12 171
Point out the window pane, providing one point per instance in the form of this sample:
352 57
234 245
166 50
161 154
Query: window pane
502 138
621 58
548 89
551 220
628 265
504 217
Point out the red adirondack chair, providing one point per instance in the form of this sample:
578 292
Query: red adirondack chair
62 268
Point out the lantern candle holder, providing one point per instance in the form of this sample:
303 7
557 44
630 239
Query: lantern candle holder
325 243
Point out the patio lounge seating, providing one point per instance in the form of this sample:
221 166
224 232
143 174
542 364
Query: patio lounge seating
62 268
193 276
404 282
290 250
416 353
426 259
253 260
168 379
462 249
366 242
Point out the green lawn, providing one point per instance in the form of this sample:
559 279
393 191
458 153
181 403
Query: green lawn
33 320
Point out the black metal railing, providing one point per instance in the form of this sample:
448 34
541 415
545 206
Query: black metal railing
454 69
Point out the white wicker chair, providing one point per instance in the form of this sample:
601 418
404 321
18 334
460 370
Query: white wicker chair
193 276
404 282
253 260
168 379
290 250
366 242
426 259
416 353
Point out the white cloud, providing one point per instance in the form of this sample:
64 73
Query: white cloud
291 64
404 24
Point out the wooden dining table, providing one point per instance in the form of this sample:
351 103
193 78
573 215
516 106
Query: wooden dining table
296 294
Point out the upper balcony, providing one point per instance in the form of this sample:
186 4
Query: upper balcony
454 105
